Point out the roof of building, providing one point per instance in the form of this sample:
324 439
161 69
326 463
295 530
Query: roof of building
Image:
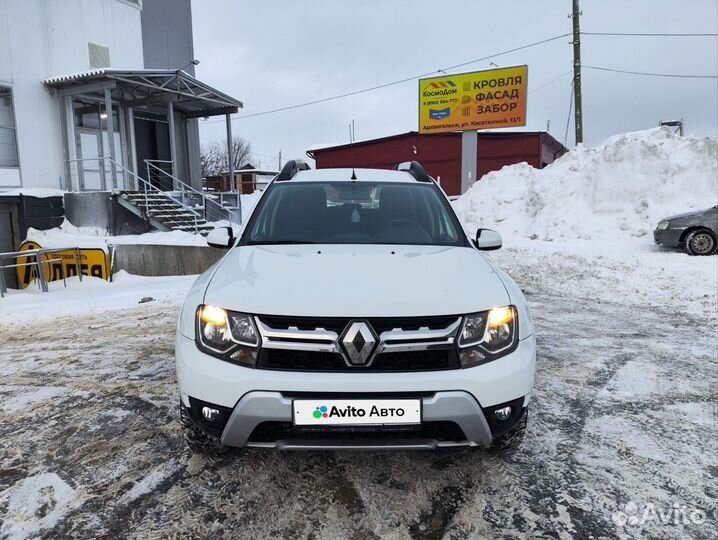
140 87
245 171
481 134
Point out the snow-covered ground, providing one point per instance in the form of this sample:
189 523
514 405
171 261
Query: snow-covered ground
92 295
623 419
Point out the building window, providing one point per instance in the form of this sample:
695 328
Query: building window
8 144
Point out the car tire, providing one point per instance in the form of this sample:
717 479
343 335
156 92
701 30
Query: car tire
197 440
701 242
512 439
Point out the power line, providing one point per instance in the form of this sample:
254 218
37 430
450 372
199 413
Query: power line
672 75
474 61
393 83
549 82
501 53
649 34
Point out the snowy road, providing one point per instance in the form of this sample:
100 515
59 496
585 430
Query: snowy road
624 412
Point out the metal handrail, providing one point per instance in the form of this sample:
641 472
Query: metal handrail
37 254
120 169
213 210
200 205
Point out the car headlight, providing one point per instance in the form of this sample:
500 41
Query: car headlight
663 225
228 335
488 335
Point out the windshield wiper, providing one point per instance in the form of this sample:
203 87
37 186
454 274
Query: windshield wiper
276 242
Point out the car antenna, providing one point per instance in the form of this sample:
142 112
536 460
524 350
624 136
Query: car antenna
351 142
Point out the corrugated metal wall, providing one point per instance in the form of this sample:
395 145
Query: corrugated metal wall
441 154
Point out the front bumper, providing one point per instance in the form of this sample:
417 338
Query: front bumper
668 237
258 396
259 407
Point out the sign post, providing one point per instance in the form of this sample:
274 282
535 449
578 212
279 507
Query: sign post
469 158
469 102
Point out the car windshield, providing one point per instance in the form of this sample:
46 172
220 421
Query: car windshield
353 213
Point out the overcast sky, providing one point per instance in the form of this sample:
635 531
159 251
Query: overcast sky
277 53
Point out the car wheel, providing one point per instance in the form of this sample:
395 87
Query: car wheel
512 439
197 440
700 242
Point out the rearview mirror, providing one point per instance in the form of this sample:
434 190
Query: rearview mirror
487 240
221 237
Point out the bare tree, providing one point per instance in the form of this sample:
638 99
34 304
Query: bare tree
213 157
241 153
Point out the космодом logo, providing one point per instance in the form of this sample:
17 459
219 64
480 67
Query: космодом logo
444 88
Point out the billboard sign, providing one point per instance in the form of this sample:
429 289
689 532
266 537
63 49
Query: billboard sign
490 99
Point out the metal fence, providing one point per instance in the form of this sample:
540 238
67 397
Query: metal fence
39 263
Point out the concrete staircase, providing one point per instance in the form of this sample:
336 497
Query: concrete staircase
163 212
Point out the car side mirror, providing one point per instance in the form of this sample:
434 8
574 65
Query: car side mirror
487 240
221 237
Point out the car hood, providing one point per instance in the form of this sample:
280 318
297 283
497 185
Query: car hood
355 281
695 213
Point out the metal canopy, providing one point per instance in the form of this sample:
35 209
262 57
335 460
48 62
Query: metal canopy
137 88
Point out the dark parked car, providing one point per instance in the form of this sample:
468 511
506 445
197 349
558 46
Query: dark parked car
696 232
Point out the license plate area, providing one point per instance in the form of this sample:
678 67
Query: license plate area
356 412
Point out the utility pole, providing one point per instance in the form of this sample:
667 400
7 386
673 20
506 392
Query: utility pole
279 160
578 110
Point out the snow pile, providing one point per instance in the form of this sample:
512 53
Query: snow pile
67 235
248 202
618 190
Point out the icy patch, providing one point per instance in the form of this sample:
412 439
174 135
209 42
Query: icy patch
635 379
701 414
623 432
149 483
23 399
36 503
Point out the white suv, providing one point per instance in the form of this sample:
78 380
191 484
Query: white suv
353 311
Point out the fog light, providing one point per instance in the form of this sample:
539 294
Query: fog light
503 414
210 414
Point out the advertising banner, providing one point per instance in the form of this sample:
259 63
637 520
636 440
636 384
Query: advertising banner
488 99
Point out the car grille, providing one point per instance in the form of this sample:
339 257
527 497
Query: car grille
338 324
269 432
289 360
315 344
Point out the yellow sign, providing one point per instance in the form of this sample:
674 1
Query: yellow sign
93 262
470 101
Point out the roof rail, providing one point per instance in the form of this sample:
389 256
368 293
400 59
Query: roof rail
415 169
292 167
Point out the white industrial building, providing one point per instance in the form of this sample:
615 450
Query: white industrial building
72 72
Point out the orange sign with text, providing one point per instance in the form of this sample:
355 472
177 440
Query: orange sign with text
489 99
94 262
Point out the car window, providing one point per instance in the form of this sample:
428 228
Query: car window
353 213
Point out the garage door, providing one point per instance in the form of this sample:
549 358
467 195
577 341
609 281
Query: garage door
7 245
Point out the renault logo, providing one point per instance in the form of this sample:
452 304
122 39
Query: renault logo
359 342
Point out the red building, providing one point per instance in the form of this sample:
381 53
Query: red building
440 153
